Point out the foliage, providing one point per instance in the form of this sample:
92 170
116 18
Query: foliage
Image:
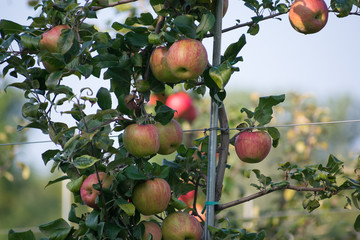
88 145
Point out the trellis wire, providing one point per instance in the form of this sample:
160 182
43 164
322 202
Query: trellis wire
215 128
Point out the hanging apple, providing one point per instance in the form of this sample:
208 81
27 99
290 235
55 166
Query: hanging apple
252 147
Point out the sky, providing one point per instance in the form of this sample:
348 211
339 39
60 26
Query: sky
277 60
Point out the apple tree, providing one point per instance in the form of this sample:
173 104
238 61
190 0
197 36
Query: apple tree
108 137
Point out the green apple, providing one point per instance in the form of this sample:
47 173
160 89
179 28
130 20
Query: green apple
308 16
151 196
187 59
180 226
252 147
141 140
171 136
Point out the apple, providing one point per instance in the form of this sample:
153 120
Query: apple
308 16
153 229
171 136
88 193
225 6
49 39
180 226
191 114
182 103
152 196
188 199
161 97
159 66
187 59
252 147
141 140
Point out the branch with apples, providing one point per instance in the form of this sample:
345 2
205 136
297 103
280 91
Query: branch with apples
156 69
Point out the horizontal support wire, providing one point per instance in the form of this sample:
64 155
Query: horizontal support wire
217 128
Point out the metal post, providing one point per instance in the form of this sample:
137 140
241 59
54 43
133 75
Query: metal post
211 172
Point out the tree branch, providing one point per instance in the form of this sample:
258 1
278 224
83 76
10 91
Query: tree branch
224 150
265 192
247 24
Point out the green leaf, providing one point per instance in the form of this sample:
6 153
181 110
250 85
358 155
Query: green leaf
56 230
357 224
85 161
8 27
254 29
233 49
53 79
134 173
49 155
221 74
85 70
30 42
66 41
75 184
275 135
249 113
343 7
282 8
92 220
27 235
164 114
185 24
136 39
62 178
206 24
157 5
126 206
263 112
104 98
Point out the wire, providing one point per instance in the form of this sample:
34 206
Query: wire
209 129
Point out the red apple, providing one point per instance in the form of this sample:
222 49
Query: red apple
159 66
153 229
152 196
308 16
141 140
187 59
49 39
181 102
252 147
88 193
225 6
188 199
191 114
180 226
171 136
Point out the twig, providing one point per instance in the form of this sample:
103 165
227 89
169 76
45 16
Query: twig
247 24
265 192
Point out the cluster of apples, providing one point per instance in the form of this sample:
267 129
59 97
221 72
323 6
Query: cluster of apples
146 140
185 59
149 198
